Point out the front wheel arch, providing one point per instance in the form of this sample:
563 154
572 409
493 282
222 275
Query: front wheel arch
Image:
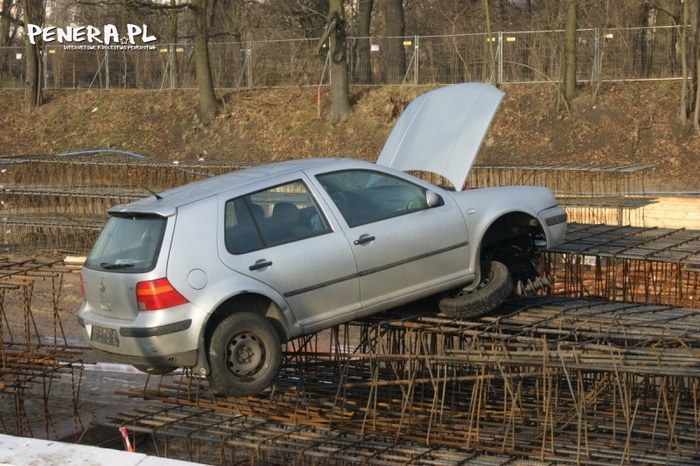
516 240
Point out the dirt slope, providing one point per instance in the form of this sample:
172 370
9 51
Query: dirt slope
625 124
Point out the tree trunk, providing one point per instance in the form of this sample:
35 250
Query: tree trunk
209 107
5 36
696 34
364 60
570 51
395 55
491 66
683 52
33 14
340 92
172 33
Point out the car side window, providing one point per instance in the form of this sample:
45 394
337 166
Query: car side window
365 196
271 217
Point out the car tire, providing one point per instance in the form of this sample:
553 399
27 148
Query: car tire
495 287
245 355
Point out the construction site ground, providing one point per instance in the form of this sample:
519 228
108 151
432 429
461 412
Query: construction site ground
600 369
604 370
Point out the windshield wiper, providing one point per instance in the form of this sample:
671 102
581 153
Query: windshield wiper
108 266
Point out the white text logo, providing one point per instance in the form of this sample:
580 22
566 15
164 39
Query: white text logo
108 34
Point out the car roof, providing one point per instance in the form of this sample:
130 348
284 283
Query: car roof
442 130
167 202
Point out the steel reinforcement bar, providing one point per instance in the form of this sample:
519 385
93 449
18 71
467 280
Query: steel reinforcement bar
34 349
557 380
630 264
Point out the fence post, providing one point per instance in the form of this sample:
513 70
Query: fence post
499 58
172 61
44 65
595 71
416 54
106 62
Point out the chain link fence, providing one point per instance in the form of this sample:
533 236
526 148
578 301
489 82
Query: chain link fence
503 57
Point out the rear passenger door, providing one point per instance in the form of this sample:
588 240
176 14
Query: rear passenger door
281 237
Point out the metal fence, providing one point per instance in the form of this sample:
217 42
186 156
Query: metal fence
502 57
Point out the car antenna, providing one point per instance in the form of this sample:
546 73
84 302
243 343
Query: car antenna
157 196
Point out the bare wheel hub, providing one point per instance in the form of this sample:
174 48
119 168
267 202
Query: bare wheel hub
245 354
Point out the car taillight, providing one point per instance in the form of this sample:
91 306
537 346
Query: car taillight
154 295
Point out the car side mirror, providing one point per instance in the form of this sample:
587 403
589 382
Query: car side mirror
432 198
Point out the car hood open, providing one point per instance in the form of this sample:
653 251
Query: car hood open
441 131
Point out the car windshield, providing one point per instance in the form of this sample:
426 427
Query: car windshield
128 244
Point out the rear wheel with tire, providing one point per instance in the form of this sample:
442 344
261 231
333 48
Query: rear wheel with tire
245 355
493 289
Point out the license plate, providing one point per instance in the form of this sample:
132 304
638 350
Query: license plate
106 336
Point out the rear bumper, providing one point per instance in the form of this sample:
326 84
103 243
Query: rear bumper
185 359
154 338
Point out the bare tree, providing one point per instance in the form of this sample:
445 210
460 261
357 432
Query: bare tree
570 51
491 54
696 35
34 11
364 63
395 30
335 34
10 11
685 71
209 106
172 55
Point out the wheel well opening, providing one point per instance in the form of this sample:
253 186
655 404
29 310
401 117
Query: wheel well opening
514 239
255 303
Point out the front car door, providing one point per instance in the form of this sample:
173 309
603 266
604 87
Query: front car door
403 247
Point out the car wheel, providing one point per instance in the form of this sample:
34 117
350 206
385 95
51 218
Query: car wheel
245 354
155 370
495 287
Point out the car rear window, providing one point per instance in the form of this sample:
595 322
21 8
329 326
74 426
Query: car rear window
128 244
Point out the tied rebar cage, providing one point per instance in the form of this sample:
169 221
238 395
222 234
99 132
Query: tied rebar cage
630 264
553 379
600 370
35 353
58 204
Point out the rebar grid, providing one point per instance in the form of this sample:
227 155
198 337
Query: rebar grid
58 203
610 194
568 180
187 431
551 379
630 264
34 349
107 169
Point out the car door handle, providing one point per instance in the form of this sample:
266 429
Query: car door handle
364 239
260 264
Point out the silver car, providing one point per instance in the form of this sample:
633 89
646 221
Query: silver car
217 274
